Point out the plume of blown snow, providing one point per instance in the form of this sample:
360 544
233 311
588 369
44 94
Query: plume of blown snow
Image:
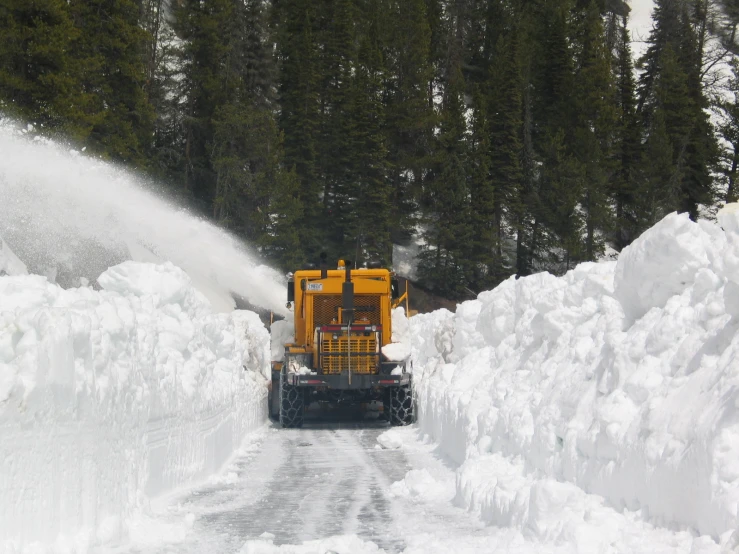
69 216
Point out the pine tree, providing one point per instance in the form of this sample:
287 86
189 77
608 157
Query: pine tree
371 224
210 80
701 149
167 97
297 50
445 263
336 149
670 89
627 146
109 52
553 176
562 188
730 133
39 79
595 128
553 77
484 243
505 109
410 113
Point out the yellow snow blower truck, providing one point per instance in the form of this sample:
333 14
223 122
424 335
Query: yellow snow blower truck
342 322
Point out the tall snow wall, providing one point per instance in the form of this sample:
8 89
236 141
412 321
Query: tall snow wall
620 378
111 397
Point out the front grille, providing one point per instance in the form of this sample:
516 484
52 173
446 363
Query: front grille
326 309
334 353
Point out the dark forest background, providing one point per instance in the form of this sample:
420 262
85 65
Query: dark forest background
511 136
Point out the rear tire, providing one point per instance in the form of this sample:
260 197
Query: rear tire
399 405
292 404
274 398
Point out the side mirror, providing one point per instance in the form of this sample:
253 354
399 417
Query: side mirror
291 291
395 289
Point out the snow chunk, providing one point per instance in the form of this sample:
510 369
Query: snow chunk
662 263
419 483
391 440
397 351
166 283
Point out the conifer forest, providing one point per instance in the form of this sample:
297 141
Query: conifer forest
507 136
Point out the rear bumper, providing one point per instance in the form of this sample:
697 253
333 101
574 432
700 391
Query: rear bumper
340 381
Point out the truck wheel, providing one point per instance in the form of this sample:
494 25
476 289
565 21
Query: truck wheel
273 399
292 405
399 405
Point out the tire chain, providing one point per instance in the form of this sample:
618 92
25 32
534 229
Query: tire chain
292 405
399 405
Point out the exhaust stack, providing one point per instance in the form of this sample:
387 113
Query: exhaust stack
347 294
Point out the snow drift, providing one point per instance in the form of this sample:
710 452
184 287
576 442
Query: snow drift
110 397
619 379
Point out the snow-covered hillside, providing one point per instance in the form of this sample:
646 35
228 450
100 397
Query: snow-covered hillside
619 379
110 397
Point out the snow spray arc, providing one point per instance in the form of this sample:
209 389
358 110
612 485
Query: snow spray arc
62 211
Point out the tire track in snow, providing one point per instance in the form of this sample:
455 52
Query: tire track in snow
298 484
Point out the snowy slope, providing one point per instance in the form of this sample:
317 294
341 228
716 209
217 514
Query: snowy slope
619 379
110 397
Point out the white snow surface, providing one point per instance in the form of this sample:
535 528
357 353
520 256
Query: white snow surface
109 398
589 408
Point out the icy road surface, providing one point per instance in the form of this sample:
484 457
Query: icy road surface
326 479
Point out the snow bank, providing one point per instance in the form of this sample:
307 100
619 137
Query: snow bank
110 397
619 379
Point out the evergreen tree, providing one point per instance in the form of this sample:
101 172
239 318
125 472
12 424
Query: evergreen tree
556 179
506 174
595 128
110 55
627 147
670 90
730 133
484 243
297 50
210 79
701 149
38 75
410 113
444 264
371 225
562 187
337 151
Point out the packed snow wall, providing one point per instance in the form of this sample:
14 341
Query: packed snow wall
619 379
110 397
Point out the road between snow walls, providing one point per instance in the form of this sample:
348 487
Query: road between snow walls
596 412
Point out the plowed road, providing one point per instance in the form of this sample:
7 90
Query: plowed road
326 479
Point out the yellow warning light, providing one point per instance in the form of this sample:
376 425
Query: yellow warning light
342 264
